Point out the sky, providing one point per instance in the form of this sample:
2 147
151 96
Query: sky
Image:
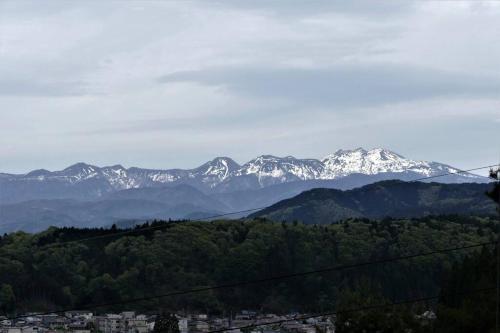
163 84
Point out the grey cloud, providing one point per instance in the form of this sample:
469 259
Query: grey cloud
115 50
212 122
342 86
156 125
27 87
300 8
31 85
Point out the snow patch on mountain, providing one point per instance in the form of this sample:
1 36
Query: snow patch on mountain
215 171
266 169
281 169
375 161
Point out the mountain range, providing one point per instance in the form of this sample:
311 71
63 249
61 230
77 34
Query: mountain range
394 199
87 195
221 175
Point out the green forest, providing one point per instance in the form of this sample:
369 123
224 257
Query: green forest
391 198
58 268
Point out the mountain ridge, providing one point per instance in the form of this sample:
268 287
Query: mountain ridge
222 174
307 201
391 198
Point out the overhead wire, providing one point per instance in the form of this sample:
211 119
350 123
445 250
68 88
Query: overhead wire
163 225
263 280
232 285
353 310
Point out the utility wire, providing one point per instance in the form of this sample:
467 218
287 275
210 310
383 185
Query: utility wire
456 173
269 279
353 310
155 227
259 280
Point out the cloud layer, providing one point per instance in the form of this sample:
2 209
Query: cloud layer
342 87
171 84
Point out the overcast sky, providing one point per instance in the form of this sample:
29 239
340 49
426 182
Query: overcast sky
164 84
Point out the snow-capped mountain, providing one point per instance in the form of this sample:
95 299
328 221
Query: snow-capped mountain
375 161
271 170
222 175
215 171
88 195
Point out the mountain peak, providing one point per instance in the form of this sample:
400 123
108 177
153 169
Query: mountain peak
262 171
270 169
219 169
385 153
272 159
38 173
79 172
224 159
266 157
79 166
116 167
373 161
362 153
341 152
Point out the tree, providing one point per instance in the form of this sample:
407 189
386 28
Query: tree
379 316
7 298
494 194
462 311
467 313
166 323
197 254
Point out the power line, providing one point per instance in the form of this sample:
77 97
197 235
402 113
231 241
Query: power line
455 173
259 280
154 227
337 268
353 310
269 279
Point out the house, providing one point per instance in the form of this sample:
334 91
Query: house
109 323
87 315
183 325
21 329
126 322
198 324
12 330
78 325
54 321
5 322
135 325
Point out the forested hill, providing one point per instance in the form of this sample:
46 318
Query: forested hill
36 273
383 199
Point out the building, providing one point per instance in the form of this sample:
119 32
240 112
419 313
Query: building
183 325
109 323
126 322
198 324
19 329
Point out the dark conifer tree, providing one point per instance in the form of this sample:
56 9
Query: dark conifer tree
166 323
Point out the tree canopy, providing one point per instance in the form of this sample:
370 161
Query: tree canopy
38 274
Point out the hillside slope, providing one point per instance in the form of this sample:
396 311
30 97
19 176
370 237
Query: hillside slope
388 198
178 202
182 256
